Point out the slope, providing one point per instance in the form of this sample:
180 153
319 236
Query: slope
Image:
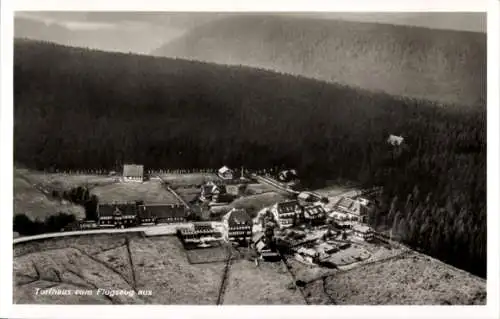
77 108
441 65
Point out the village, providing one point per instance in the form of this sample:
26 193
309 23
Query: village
313 229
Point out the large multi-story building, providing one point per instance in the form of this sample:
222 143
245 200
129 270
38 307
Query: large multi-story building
287 213
349 209
237 226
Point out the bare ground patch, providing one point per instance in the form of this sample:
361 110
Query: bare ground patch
267 284
412 279
149 191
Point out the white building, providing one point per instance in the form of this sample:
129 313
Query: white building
237 226
133 173
395 140
225 173
307 254
362 232
348 209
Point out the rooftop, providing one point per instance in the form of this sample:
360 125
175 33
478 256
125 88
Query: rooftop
361 228
133 170
238 216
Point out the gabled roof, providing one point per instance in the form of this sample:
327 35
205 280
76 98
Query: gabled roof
224 169
237 216
317 210
349 205
126 209
395 140
287 207
132 170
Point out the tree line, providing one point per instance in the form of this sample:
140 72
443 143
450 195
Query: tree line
85 109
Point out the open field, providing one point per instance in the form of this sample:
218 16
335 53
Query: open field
132 262
150 192
267 284
35 204
124 261
257 188
187 193
65 181
188 179
161 266
256 202
412 279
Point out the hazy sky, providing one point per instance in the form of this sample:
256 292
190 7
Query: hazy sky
142 32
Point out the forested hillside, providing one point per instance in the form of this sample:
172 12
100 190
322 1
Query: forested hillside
440 65
76 108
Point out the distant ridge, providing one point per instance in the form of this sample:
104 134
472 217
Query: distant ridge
440 65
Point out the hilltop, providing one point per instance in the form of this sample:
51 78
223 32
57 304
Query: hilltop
77 108
441 65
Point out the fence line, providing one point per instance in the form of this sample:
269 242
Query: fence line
156 171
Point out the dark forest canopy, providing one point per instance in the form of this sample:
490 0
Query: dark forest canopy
77 108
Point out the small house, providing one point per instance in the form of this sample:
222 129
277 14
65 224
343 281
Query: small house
225 173
395 140
265 250
307 254
349 209
133 173
363 201
287 213
362 232
197 232
237 225
287 176
213 192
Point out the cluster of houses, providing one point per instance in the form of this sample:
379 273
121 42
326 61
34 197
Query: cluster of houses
308 211
236 227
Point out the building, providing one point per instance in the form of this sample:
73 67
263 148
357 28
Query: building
287 176
306 197
262 247
105 214
362 232
213 192
287 213
128 212
315 215
237 226
328 249
395 140
117 215
349 209
363 201
132 172
197 233
163 213
225 173
307 254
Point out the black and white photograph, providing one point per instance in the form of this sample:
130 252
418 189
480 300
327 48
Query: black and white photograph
249 158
